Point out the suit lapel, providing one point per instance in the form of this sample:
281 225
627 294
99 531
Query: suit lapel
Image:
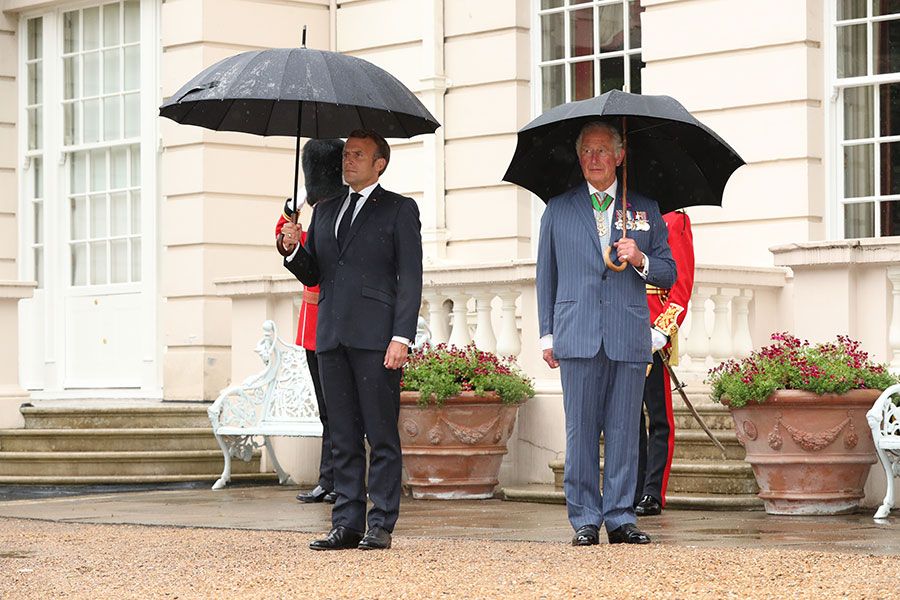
582 201
367 209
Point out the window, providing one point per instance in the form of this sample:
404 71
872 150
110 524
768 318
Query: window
101 130
867 84
34 116
586 48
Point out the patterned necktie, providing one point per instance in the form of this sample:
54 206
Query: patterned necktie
346 219
601 201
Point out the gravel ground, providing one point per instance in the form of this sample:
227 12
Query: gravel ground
49 560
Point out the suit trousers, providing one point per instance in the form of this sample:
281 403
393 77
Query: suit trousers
363 400
601 396
656 446
326 478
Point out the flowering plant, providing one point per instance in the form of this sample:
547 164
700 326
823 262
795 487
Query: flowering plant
439 372
827 368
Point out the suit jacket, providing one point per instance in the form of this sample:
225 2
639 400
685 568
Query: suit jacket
372 290
582 302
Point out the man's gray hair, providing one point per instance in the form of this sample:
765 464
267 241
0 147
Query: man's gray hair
602 125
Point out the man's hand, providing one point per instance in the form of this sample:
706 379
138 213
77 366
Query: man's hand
627 250
549 359
290 233
396 354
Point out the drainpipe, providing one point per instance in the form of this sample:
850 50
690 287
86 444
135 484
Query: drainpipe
434 86
332 22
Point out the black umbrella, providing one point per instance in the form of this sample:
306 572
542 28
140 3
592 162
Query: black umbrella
299 92
671 156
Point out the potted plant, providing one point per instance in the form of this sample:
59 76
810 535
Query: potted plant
800 412
457 410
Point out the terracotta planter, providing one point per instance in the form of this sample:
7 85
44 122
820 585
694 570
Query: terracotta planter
810 454
454 451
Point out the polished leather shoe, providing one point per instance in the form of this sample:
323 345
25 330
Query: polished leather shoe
317 494
648 506
376 539
586 535
340 538
628 534
330 498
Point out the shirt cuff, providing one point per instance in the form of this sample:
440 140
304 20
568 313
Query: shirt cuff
290 257
646 270
401 339
547 342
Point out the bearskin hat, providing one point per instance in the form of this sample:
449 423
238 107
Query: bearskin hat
322 169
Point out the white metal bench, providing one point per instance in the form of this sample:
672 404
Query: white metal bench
884 419
279 401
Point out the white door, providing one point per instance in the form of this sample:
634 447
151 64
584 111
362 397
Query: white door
88 235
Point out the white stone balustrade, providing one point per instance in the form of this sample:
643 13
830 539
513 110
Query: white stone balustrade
732 311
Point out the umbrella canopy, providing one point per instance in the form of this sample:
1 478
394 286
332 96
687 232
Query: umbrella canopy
671 157
299 92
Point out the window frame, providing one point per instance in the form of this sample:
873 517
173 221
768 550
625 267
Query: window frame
834 123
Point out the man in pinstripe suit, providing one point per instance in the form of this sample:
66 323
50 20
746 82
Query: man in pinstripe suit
593 324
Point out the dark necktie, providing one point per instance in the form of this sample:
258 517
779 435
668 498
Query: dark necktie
344 226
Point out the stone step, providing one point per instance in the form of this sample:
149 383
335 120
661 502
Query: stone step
121 415
696 477
716 417
131 479
107 440
119 464
694 444
548 494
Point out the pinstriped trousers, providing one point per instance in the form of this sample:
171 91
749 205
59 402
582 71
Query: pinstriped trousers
601 396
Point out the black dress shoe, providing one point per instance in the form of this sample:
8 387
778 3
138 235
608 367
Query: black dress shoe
330 498
317 494
376 539
628 534
340 538
586 535
648 506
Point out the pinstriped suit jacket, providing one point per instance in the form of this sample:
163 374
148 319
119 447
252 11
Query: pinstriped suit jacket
582 302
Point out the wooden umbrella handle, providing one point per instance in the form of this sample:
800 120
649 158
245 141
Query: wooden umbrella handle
279 241
606 251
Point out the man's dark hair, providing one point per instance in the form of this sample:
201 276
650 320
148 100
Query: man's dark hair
382 149
322 169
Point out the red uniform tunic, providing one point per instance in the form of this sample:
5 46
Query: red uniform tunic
668 308
309 307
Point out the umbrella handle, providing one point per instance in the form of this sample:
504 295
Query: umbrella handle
610 264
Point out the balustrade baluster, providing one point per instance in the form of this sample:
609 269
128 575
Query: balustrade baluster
459 334
437 318
740 308
484 329
720 346
697 344
510 342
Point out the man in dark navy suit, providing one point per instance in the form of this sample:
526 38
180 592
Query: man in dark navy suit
364 250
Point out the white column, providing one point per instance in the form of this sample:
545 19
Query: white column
510 342
893 274
720 340
437 317
484 330
740 309
12 396
459 334
697 344
432 92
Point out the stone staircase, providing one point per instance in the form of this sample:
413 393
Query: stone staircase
700 477
115 442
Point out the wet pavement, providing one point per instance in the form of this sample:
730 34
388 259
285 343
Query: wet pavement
273 508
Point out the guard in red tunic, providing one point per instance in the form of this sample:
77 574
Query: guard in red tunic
322 177
668 309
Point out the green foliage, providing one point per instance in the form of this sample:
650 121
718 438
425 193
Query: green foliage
440 372
790 364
